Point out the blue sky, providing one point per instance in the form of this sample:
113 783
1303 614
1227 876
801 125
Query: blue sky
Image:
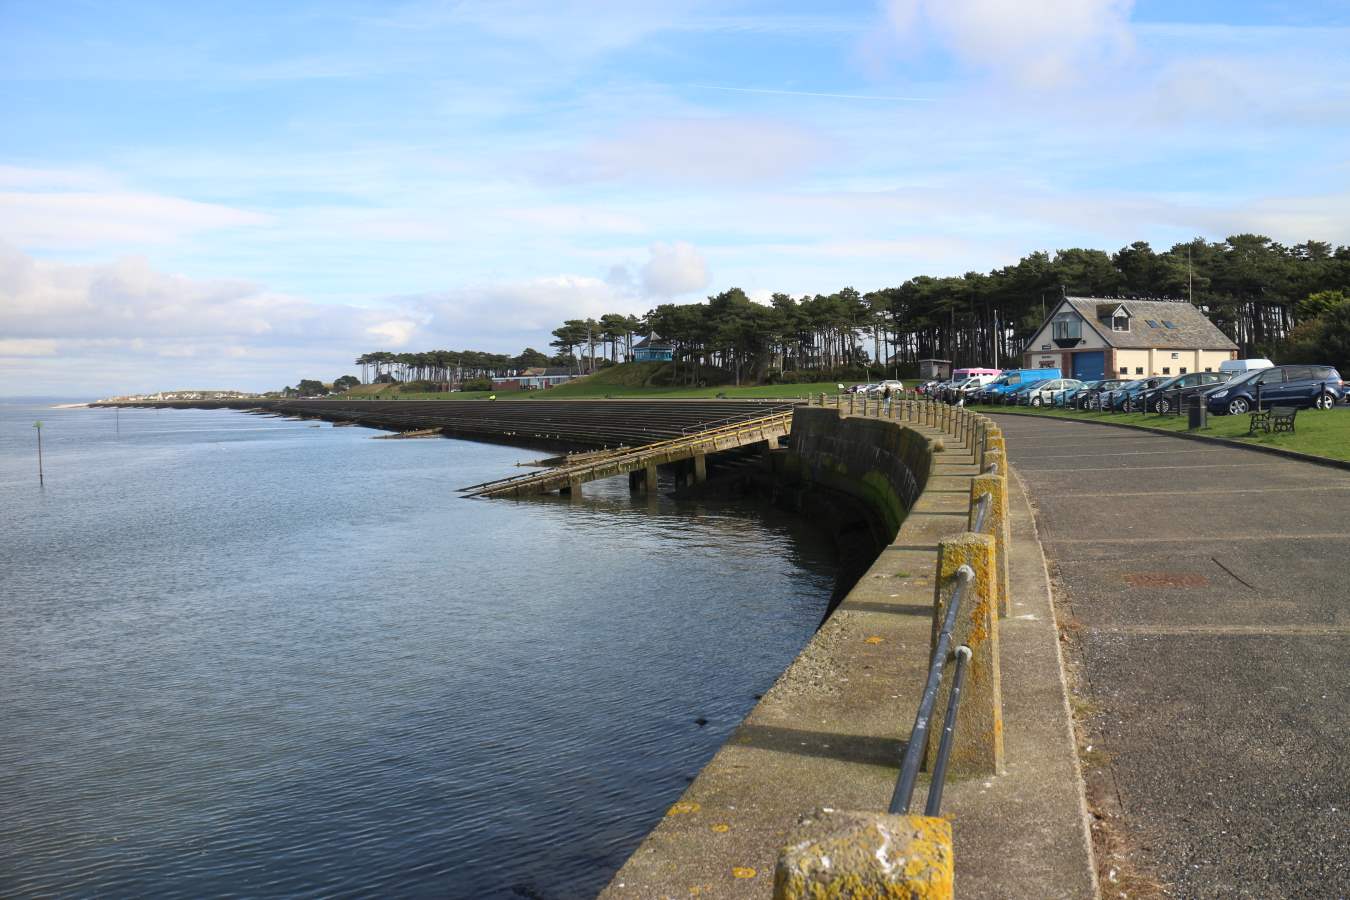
245 194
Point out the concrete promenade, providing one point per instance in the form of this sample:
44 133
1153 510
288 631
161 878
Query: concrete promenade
831 731
1206 593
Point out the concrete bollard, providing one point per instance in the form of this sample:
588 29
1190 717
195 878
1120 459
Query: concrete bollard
839 853
995 524
995 440
978 748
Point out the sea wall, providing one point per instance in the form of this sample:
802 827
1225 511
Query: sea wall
829 731
877 461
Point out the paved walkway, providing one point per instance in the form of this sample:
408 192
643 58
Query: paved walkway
1210 590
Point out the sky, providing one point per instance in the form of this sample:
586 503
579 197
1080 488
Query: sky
241 195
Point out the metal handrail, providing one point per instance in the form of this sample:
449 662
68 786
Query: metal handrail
981 512
934 803
733 420
918 735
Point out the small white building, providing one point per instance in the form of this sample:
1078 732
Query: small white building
1093 337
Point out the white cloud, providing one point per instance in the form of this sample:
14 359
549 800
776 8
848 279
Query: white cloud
25 347
506 314
1043 43
395 332
74 218
674 269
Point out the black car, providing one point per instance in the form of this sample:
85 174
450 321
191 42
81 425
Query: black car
1089 397
1298 386
1177 391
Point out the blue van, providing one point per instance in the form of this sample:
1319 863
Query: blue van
1013 379
1301 386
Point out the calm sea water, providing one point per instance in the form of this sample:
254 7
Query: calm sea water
249 656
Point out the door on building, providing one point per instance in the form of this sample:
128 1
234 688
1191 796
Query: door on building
1089 366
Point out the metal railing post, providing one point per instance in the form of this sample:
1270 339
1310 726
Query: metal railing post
980 715
960 580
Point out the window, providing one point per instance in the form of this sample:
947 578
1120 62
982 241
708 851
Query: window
1167 324
1151 323
1273 376
1067 327
1183 370
1120 323
1139 370
1167 370
1124 370
1209 368
1176 356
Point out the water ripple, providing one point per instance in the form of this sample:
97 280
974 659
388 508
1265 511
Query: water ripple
244 657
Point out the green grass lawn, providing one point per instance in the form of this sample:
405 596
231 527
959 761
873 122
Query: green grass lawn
1319 432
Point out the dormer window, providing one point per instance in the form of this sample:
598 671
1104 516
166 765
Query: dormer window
1120 319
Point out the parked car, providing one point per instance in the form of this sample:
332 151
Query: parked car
1013 379
880 388
1046 393
1177 390
1088 397
1298 386
1021 394
1128 397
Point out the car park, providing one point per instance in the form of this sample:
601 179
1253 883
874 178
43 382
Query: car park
1019 395
1294 386
1052 392
1014 379
1174 393
880 388
1129 397
1088 397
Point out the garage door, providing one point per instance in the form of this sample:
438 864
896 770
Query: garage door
1089 366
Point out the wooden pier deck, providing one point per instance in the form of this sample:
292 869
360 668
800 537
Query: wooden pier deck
645 459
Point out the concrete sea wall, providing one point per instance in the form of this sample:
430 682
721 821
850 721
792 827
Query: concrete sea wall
829 735
878 462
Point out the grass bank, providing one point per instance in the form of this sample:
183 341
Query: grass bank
1318 432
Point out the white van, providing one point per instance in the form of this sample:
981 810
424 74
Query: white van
1235 367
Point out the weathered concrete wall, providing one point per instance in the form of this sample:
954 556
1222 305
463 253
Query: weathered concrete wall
879 462
829 733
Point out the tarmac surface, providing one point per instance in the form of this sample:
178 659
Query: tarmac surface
1208 590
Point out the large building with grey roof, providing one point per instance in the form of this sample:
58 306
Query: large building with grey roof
1094 337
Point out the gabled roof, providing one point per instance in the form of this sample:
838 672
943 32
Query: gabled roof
652 343
1192 329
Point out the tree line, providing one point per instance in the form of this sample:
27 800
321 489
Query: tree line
1271 299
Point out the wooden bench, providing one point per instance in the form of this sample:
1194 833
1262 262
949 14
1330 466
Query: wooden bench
1276 419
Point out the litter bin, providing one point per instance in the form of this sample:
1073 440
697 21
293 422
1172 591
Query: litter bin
1199 414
